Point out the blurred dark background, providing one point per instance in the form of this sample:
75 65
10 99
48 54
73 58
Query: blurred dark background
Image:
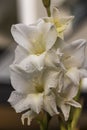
9 14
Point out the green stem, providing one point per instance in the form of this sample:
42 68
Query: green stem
43 120
48 11
66 126
62 127
47 4
69 126
41 126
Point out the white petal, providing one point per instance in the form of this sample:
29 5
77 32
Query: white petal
51 37
21 81
15 97
47 35
30 115
20 34
60 44
74 53
55 12
66 20
50 61
50 80
70 91
66 110
49 32
28 36
17 102
50 105
67 89
20 54
74 103
32 63
36 103
60 82
32 101
43 26
74 75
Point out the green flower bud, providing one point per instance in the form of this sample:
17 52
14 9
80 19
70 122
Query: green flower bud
46 3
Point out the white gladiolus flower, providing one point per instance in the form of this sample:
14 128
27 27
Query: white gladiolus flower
74 60
70 58
33 93
33 41
65 95
61 22
69 62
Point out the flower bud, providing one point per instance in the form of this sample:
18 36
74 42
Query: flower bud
46 3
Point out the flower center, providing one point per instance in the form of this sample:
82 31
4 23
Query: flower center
39 88
60 27
38 45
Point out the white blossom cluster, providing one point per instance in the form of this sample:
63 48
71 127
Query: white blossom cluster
47 72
